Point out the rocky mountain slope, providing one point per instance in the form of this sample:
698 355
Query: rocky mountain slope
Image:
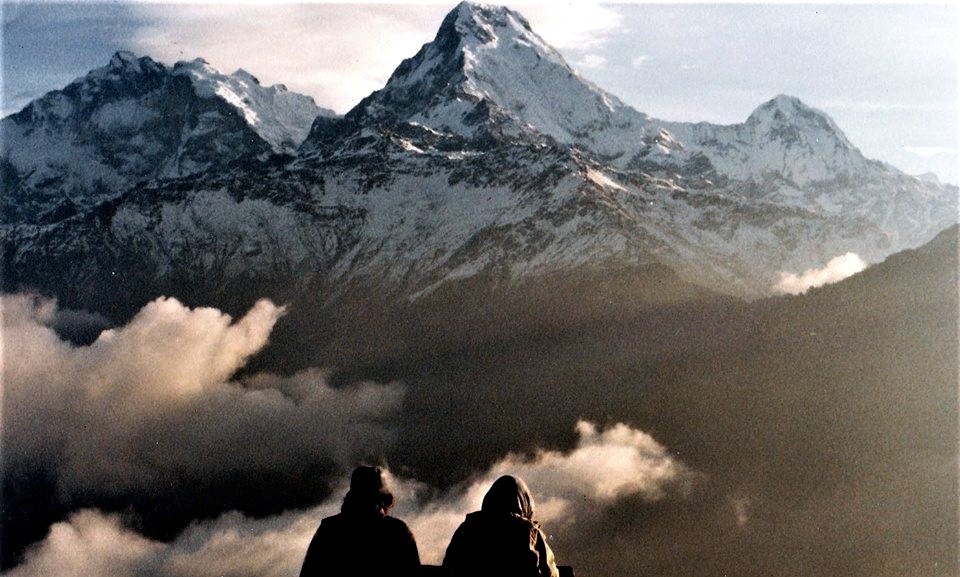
136 119
484 154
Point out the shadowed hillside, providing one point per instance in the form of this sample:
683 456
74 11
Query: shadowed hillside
824 423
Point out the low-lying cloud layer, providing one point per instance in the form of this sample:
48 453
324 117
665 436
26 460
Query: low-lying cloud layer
569 487
151 406
836 270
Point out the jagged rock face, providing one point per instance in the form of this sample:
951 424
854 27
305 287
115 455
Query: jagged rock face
484 154
491 54
134 120
279 116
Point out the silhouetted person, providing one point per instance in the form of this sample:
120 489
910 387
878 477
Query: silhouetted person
362 539
502 538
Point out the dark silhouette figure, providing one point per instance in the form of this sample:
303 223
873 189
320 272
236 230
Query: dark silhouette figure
362 539
502 538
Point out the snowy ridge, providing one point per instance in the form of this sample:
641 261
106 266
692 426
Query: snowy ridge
135 119
782 137
484 154
487 54
280 117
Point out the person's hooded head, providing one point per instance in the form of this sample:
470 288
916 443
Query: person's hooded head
508 494
368 492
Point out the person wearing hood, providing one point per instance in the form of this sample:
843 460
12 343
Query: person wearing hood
502 538
362 539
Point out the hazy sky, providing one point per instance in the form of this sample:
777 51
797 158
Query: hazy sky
887 74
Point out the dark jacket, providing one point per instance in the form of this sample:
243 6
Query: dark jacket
502 544
360 544
502 538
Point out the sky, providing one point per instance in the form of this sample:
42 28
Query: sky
887 74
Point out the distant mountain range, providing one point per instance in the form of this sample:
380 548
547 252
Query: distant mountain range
485 154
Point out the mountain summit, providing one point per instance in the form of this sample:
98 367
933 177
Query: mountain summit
783 138
487 64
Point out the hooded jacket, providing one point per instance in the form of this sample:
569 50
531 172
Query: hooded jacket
502 538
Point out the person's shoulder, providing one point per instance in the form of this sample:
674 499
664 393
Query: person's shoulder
486 520
475 519
332 521
517 519
394 523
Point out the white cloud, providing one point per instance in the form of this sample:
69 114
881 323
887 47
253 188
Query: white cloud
639 60
150 406
336 53
836 270
94 544
572 25
568 487
89 543
930 151
592 61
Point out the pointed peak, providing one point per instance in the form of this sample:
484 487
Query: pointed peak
126 61
785 109
479 21
787 117
486 68
123 58
124 65
786 105
479 12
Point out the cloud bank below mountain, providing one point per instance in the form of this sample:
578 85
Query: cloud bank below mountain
152 405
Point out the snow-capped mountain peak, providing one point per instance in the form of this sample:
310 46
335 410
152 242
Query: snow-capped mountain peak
486 65
484 152
485 25
136 119
126 60
784 110
123 66
783 138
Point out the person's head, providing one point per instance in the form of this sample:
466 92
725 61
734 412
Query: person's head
509 494
368 492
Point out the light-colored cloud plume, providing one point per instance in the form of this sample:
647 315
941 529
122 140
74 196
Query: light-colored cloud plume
836 270
151 404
